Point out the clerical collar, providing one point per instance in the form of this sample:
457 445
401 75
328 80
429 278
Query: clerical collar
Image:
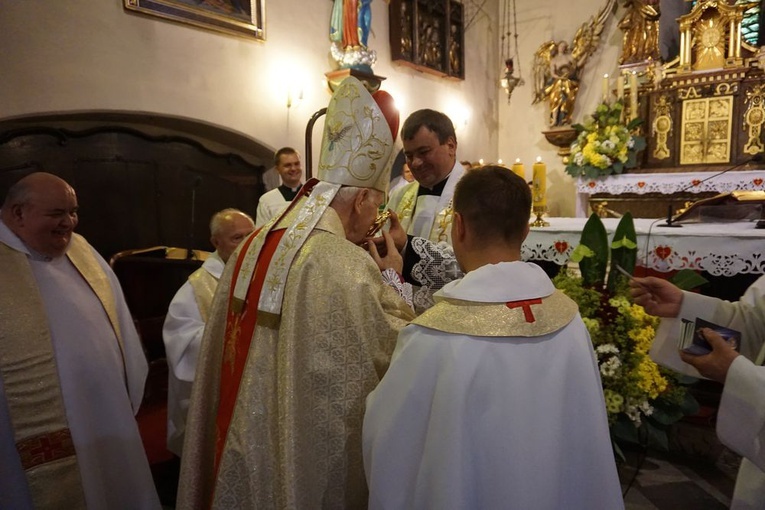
289 193
436 191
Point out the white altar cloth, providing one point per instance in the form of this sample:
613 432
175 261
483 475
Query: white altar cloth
722 249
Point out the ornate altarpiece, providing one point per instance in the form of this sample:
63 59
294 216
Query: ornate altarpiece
704 110
428 35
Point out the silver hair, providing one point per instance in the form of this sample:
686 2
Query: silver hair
216 222
346 194
18 194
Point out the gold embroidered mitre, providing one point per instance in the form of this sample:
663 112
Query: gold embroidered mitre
358 137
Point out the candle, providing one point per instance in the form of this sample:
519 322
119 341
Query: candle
499 161
620 86
518 169
633 95
605 88
480 161
539 184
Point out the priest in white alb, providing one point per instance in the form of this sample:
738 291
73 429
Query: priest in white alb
72 369
493 398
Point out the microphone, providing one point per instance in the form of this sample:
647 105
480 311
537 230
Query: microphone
757 158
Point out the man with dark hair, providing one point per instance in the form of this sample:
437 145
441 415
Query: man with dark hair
424 207
287 163
493 398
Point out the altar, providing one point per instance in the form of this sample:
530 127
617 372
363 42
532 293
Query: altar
615 190
720 249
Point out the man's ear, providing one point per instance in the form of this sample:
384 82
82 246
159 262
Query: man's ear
17 213
214 241
358 202
451 142
526 231
459 226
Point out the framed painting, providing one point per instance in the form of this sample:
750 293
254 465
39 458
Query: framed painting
238 17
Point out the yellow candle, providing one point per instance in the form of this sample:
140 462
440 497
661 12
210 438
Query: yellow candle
605 88
518 169
620 86
539 184
633 95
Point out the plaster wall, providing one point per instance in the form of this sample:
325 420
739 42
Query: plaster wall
521 123
92 55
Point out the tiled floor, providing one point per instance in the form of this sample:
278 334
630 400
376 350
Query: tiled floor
679 481
665 481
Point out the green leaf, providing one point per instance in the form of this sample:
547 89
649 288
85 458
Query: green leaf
618 167
595 237
688 279
639 143
634 123
623 251
656 436
581 252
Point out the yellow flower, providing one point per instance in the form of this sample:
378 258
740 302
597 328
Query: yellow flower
650 380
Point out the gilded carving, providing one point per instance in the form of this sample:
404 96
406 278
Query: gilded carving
662 125
706 130
754 117
689 93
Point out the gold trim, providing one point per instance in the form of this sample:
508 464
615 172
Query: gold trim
754 117
496 319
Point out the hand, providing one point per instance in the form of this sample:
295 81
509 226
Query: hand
392 258
397 232
659 297
716 364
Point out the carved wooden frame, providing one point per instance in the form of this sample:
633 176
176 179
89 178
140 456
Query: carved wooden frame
428 35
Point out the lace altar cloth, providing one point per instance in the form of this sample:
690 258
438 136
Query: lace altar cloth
722 249
669 183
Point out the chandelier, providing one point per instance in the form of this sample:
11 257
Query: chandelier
509 80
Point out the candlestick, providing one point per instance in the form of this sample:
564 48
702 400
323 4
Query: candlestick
633 95
518 169
605 88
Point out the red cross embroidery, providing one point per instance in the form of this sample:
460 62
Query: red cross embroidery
526 305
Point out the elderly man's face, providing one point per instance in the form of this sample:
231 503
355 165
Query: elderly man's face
429 160
45 223
233 229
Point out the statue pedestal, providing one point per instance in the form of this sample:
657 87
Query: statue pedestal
370 80
561 137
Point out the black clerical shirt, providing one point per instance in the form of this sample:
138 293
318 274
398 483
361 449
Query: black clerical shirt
410 256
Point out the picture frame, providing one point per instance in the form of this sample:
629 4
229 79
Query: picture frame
244 18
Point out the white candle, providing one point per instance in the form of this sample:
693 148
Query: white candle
605 88
620 86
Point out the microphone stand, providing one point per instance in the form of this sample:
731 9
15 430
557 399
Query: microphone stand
670 219
194 185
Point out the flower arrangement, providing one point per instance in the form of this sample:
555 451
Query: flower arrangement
604 144
642 399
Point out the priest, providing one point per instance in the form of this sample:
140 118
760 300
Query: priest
493 398
72 369
424 207
302 328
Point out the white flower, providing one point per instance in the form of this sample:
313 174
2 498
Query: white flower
608 145
646 408
631 142
633 413
609 367
579 159
607 349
